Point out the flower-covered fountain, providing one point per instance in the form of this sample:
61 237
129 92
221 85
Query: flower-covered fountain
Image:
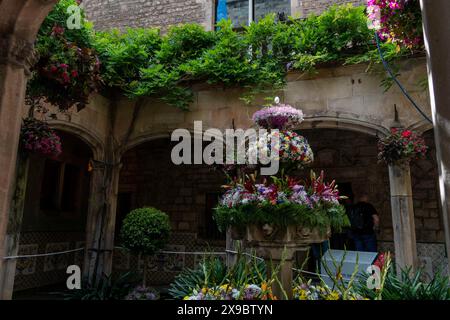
277 216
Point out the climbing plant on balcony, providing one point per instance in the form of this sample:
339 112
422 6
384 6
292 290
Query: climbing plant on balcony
68 69
140 62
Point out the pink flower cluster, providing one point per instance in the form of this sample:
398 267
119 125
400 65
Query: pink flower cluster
398 21
401 145
280 117
37 137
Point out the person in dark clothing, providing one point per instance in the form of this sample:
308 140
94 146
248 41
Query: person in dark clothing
364 222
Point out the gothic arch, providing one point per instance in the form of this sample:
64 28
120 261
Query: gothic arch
329 122
90 138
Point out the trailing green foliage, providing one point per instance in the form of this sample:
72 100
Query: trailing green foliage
282 215
145 230
142 62
124 53
408 286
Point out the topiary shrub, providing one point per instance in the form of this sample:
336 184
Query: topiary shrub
145 231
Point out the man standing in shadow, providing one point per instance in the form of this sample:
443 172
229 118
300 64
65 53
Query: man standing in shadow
364 222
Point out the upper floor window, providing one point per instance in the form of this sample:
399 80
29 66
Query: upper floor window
243 12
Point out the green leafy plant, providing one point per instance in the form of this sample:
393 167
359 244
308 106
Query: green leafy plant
124 54
107 288
213 273
145 231
408 286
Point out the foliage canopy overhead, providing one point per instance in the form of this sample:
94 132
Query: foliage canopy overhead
142 62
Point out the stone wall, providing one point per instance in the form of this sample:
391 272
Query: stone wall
108 14
151 179
303 8
427 211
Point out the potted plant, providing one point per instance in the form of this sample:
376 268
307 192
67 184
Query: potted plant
145 231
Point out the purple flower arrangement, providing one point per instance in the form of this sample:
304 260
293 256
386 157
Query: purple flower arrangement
38 137
280 116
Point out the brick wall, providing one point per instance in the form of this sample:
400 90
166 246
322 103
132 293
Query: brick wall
153 180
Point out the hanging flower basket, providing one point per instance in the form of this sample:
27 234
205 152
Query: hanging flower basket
293 150
401 146
397 21
37 137
280 116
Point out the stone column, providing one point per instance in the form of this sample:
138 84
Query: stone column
14 225
16 55
436 17
101 222
403 215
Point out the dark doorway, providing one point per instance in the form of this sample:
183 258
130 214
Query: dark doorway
123 208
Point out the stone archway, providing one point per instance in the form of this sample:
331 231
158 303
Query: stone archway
187 193
19 26
350 158
56 208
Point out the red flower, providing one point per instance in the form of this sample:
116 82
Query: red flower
248 185
406 134
65 76
57 30
74 73
380 261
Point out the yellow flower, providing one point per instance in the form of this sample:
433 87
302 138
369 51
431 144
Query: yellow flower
333 296
303 295
264 286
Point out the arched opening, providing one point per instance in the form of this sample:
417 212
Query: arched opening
54 217
350 158
187 193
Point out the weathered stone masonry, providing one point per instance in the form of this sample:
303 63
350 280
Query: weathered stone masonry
108 14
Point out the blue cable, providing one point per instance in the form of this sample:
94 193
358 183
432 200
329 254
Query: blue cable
389 70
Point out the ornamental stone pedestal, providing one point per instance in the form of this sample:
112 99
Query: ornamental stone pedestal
277 246
403 216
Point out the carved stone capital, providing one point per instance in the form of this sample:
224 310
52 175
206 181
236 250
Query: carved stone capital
18 52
